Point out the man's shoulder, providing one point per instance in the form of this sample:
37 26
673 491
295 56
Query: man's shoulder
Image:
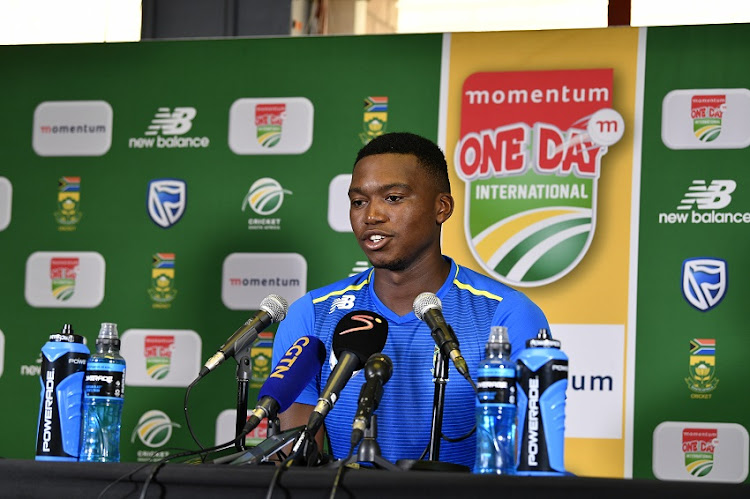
354 283
470 280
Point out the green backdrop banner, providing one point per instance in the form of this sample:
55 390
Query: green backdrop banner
170 186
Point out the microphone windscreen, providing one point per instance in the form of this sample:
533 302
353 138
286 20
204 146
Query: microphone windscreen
424 302
362 333
300 364
276 306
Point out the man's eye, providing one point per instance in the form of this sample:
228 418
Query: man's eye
393 198
357 202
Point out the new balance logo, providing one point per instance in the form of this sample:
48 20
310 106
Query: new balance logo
345 302
167 130
715 196
177 122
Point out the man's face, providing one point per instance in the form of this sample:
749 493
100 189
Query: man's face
395 210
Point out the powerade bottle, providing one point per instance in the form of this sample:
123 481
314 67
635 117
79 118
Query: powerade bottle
64 359
496 407
542 380
104 388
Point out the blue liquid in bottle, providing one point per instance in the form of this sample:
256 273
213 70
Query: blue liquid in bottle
104 388
496 407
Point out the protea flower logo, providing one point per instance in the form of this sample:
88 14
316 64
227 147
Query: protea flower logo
699 445
154 429
707 112
162 290
374 118
68 212
269 119
63 272
158 353
530 153
702 368
265 196
261 359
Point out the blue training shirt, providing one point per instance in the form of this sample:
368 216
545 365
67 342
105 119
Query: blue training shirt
472 303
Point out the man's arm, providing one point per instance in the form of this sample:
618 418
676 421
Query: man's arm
298 415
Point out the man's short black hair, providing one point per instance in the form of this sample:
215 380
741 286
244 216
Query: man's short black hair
429 156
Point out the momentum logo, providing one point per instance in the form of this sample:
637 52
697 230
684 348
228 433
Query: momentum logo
247 278
167 129
72 128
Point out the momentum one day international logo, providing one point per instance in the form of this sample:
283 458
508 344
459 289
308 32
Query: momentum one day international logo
158 353
269 118
63 273
702 379
699 445
530 153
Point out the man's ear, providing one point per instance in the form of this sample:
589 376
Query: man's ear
444 205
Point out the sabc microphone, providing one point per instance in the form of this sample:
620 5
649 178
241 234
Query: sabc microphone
378 370
291 375
357 336
428 308
272 309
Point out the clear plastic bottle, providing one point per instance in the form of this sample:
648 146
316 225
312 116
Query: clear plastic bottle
104 389
496 407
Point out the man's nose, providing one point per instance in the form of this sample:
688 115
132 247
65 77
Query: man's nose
375 213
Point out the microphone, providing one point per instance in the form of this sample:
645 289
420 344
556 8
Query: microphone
378 371
272 309
428 308
293 372
357 336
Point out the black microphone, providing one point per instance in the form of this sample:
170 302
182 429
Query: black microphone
357 336
378 371
272 309
428 308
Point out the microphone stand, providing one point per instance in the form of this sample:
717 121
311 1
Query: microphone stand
369 450
442 365
244 371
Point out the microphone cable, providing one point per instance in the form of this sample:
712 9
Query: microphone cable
187 417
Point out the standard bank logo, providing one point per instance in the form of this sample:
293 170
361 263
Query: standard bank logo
530 154
154 429
6 202
247 278
704 282
282 125
167 129
72 128
700 451
704 203
714 118
64 279
166 201
161 357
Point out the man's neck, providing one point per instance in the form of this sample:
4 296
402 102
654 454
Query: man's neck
398 289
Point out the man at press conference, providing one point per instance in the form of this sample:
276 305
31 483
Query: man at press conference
400 197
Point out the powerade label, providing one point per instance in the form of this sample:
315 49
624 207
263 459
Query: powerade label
105 380
59 413
496 385
534 446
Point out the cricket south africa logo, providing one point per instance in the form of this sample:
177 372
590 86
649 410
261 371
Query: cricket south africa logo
158 353
269 119
706 112
530 152
162 290
166 201
704 282
68 212
63 272
699 445
260 355
702 368
374 118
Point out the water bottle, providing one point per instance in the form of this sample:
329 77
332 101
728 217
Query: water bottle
64 359
496 407
104 388
542 380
